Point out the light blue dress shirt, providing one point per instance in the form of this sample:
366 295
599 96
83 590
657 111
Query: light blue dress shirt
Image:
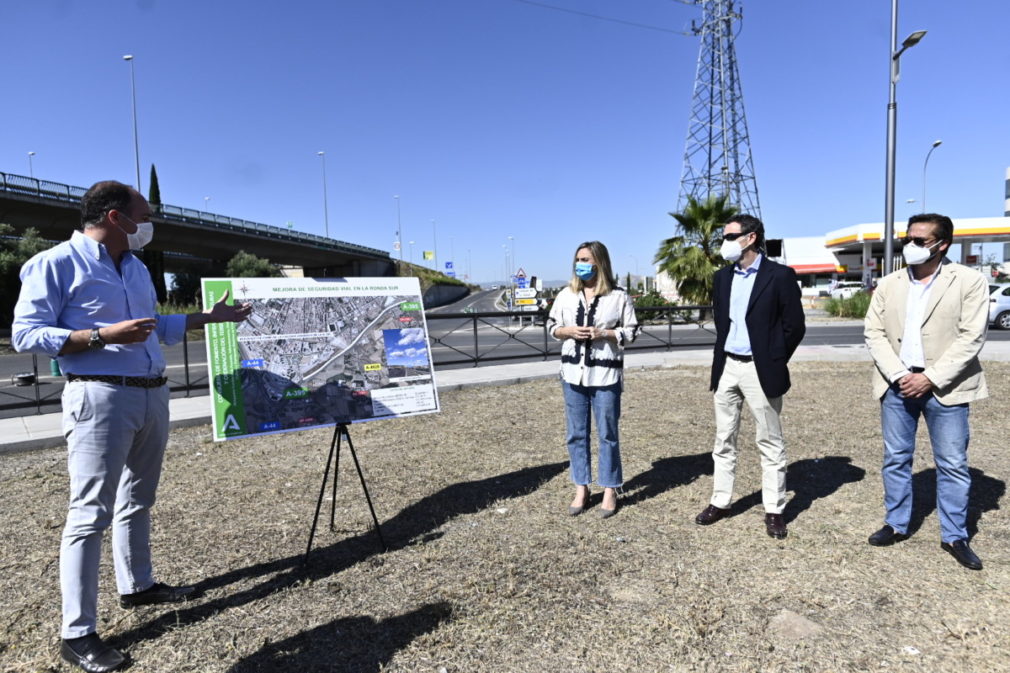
76 285
738 339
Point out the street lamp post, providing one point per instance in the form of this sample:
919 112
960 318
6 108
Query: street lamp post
206 202
399 242
936 143
434 245
326 210
892 122
31 169
136 141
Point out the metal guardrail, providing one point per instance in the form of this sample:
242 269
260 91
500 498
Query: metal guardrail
488 336
55 191
544 346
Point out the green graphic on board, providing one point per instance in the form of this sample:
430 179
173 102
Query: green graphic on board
224 364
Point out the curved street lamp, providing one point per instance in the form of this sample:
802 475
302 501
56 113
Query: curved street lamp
936 143
892 122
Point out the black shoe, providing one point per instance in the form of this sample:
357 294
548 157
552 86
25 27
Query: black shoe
710 515
960 550
159 593
91 654
886 536
775 526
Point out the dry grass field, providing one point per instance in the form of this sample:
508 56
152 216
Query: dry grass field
486 572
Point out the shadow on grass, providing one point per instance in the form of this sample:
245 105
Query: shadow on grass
666 473
814 478
354 644
809 479
416 522
984 496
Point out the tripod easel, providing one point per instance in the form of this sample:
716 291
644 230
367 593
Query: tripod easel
340 432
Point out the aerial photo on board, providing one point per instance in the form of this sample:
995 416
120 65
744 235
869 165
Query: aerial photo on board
310 359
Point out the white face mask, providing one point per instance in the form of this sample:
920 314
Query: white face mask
138 239
731 251
915 254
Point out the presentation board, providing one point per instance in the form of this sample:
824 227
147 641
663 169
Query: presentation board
317 352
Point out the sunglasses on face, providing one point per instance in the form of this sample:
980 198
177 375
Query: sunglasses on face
733 237
921 242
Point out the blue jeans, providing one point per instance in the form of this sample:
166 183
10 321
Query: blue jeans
581 403
948 433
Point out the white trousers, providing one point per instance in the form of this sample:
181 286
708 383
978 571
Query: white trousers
116 437
739 383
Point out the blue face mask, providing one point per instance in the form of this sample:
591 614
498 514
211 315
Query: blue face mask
585 270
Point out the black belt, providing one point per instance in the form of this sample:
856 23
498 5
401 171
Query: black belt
917 370
132 381
739 358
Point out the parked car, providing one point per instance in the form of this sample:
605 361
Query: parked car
846 289
999 306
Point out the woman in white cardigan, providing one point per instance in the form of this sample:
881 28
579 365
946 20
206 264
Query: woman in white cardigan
595 320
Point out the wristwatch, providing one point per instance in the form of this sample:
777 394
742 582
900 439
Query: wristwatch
96 340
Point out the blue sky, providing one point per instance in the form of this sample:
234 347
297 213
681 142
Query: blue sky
499 118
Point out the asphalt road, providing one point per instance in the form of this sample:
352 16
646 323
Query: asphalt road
453 341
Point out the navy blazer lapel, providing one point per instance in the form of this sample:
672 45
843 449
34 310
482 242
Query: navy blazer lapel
725 288
761 281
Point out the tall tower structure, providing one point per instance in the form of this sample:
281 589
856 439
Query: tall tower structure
717 157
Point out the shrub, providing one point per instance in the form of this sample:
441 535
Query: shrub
853 307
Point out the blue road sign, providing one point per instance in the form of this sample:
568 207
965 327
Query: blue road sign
448 265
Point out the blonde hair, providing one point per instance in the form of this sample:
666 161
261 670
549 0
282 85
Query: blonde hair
604 276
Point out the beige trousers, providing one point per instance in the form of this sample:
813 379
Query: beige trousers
739 383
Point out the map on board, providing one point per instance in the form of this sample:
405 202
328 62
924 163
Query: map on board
317 352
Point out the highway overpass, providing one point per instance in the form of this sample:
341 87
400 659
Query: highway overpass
54 210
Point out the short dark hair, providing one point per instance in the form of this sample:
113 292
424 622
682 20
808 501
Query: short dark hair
943 227
101 198
751 225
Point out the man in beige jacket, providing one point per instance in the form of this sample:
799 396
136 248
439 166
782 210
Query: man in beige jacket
925 327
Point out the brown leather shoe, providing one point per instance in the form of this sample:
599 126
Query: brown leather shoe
776 526
710 515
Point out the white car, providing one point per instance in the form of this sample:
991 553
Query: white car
846 289
999 306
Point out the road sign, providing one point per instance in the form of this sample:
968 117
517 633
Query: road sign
526 302
526 293
520 273
448 265
451 274
521 282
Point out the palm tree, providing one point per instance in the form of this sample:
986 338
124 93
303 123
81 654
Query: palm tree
692 256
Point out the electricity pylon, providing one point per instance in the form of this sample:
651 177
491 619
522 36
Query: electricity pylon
717 157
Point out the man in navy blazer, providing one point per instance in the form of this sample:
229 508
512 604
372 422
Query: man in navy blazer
759 323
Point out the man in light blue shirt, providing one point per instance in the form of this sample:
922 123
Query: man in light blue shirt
738 340
758 325
90 303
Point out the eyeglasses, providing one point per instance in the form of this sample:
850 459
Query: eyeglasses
921 242
733 237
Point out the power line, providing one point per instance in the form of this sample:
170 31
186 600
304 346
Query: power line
606 18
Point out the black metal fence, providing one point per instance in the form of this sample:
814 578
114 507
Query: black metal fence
455 338
495 336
